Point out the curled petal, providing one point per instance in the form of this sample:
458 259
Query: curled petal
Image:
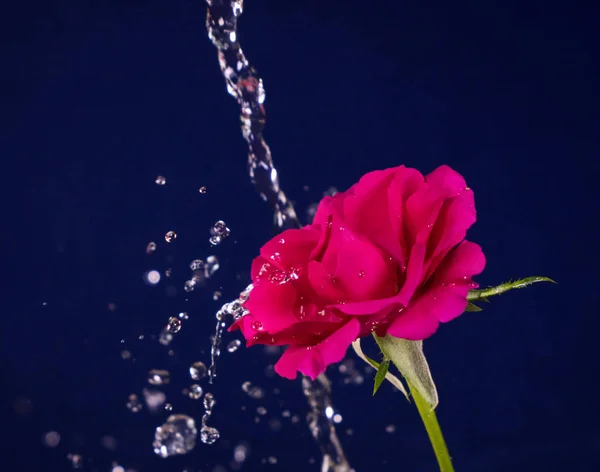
312 360
415 322
292 248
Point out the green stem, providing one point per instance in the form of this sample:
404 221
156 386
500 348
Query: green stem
433 431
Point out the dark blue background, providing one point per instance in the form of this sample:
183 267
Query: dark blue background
100 97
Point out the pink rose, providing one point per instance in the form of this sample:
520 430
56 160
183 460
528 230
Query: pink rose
387 256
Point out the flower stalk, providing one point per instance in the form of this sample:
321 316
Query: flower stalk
434 431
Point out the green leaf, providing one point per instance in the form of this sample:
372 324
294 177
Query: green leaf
408 357
473 307
395 381
380 376
505 287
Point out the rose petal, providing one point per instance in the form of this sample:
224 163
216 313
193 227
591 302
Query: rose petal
415 322
292 248
367 307
414 274
312 360
342 204
323 283
455 218
272 305
406 182
445 299
444 177
359 267
465 261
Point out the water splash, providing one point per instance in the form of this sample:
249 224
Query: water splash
229 312
246 86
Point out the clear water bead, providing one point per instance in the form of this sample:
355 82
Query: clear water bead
154 399
151 247
209 401
174 325
198 370
211 266
233 345
253 391
189 285
220 229
209 435
197 264
159 377
160 180
170 236
165 337
195 392
177 436
76 460
133 403
202 190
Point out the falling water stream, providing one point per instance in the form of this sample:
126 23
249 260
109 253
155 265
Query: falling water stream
245 85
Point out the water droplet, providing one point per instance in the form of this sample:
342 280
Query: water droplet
218 232
390 428
211 266
261 410
233 345
109 442
152 277
170 236
165 337
184 315
202 190
278 277
189 285
133 403
198 370
159 377
176 436
330 192
361 274
209 401
253 392
154 398
197 264
76 460
217 295
151 247
209 435
160 180
51 439
174 325
256 325
195 392
168 407
272 460
240 453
